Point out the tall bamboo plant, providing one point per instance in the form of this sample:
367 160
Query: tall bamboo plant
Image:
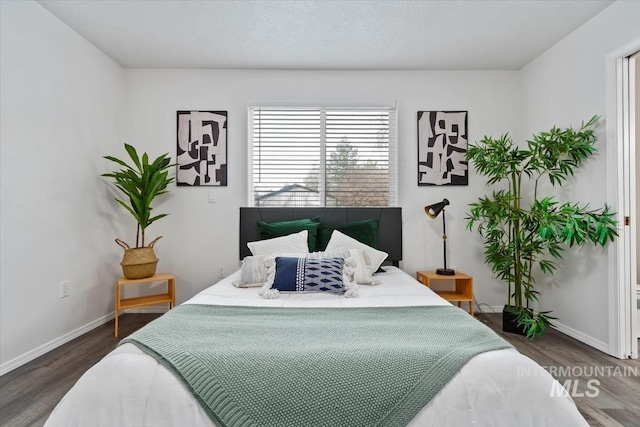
141 183
523 233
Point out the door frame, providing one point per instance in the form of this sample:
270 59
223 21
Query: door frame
621 188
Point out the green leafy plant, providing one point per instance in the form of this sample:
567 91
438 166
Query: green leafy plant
141 183
523 238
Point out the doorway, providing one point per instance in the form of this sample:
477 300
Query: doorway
623 121
634 76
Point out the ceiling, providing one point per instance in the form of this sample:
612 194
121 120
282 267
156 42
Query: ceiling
324 34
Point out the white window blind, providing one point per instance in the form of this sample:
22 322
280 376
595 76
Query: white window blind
322 156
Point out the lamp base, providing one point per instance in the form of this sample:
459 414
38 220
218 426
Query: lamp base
445 272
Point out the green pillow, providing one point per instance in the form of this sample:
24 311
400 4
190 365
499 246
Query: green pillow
284 228
365 231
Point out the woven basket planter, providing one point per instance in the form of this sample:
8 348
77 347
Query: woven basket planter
138 263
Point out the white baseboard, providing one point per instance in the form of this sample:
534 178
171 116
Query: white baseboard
488 309
573 333
51 345
582 337
39 351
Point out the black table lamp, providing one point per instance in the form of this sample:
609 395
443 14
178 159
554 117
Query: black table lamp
432 212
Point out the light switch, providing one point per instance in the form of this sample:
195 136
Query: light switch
212 196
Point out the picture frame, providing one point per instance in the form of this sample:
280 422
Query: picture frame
442 147
201 148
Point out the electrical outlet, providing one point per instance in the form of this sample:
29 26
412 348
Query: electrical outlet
64 289
220 271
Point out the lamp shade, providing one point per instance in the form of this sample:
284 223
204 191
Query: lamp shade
434 210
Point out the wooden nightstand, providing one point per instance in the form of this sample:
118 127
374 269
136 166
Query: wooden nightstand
462 293
123 303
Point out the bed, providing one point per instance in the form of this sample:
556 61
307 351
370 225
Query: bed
131 387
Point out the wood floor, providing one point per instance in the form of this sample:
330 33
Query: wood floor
29 393
618 397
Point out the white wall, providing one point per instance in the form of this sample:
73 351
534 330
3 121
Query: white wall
563 86
199 236
61 108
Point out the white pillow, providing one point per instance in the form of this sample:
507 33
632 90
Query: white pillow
363 273
292 243
253 272
342 241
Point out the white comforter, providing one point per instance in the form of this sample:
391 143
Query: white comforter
497 388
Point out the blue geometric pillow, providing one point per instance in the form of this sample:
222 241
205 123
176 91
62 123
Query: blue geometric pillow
309 275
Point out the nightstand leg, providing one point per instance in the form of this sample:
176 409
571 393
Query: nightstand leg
117 309
471 308
172 292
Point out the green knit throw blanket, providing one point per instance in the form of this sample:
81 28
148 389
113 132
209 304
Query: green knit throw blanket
280 367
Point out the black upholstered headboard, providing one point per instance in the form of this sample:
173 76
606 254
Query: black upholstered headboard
389 231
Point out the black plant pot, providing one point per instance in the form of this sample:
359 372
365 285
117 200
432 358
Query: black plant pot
509 322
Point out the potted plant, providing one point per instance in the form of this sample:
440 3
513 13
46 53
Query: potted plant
141 183
523 233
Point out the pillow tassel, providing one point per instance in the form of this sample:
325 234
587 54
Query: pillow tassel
351 290
266 291
269 293
349 268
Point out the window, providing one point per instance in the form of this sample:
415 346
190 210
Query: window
322 156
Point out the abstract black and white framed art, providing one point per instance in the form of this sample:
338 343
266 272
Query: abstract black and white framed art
442 146
202 148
